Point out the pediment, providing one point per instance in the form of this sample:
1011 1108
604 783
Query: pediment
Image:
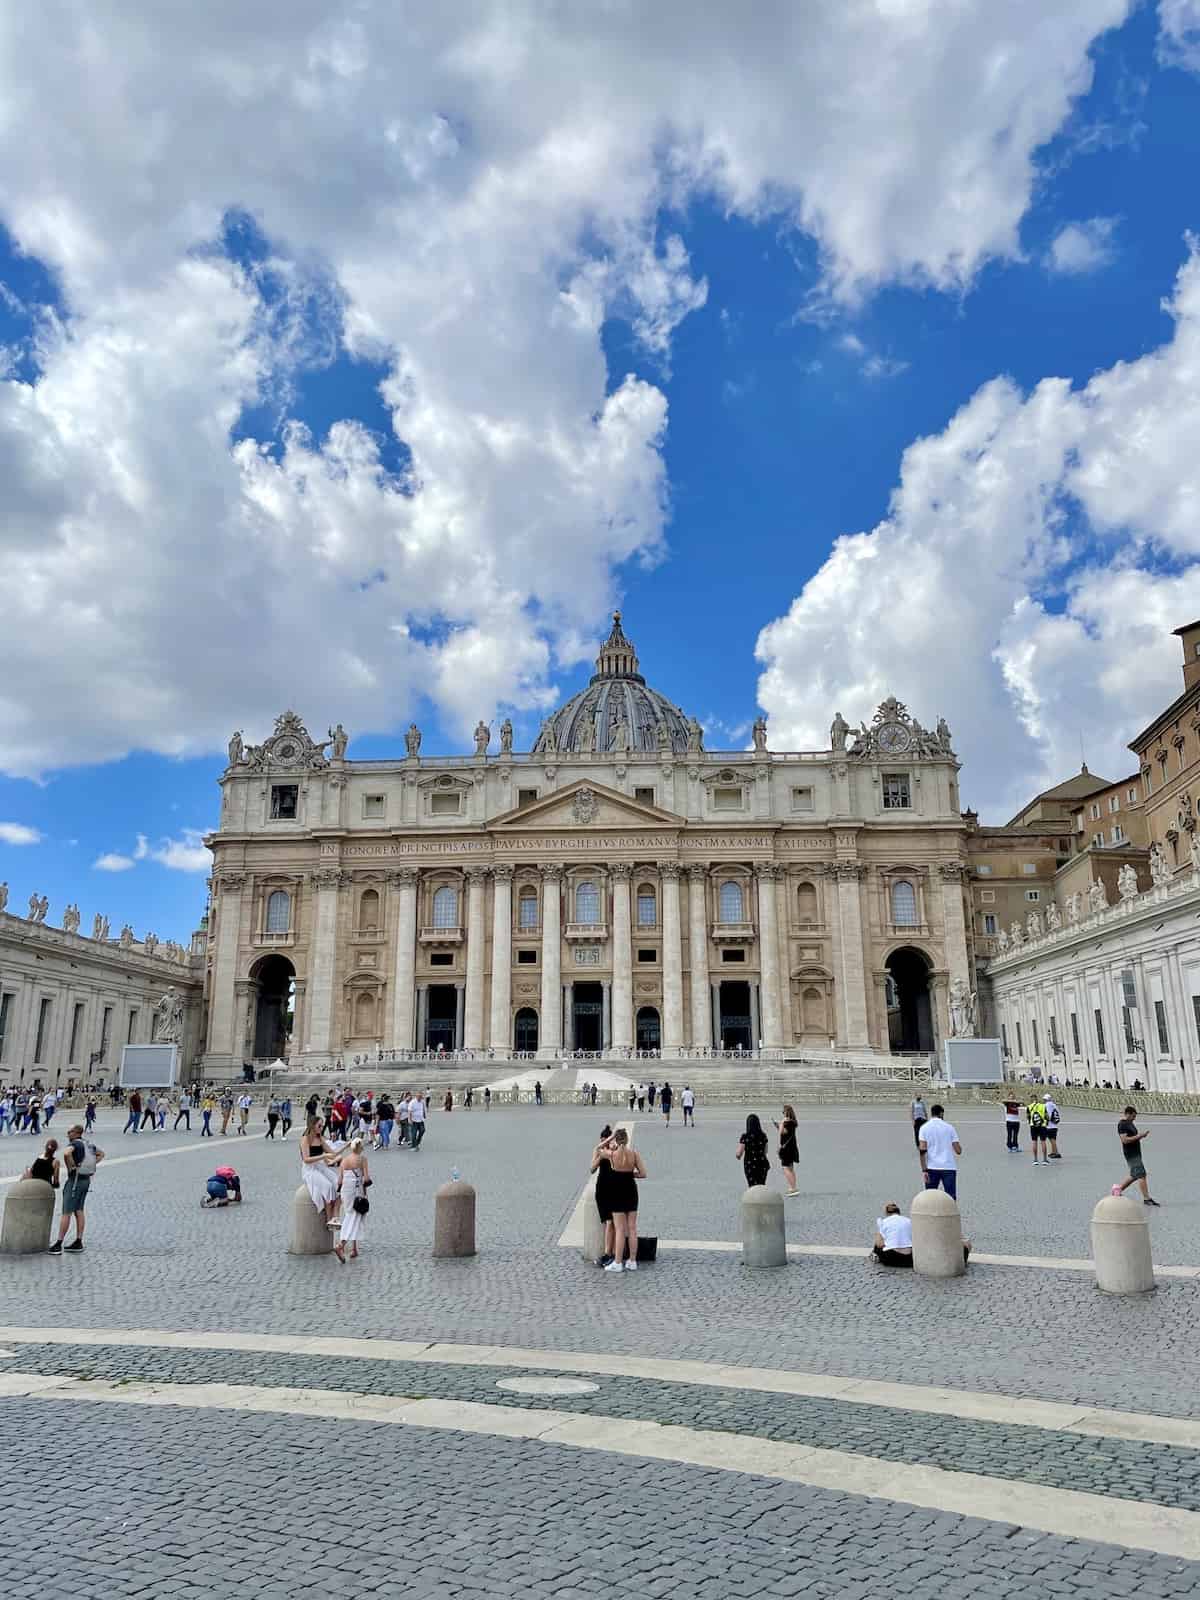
586 805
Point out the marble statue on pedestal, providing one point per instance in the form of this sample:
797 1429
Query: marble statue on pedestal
1073 907
1017 934
1161 871
70 920
1003 941
412 740
236 749
760 733
1097 897
169 1012
483 737
3 895
963 1004
339 739
1127 884
1033 925
126 938
506 736
1053 918
838 731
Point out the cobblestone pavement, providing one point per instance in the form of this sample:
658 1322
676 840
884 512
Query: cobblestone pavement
206 1501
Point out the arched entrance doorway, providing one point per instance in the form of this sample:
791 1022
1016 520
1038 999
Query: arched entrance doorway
910 1013
525 1029
274 1010
649 1029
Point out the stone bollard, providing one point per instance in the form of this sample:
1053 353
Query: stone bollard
764 1243
310 1234
454 1219
593 1228
937 1235
28 1217
1121 1246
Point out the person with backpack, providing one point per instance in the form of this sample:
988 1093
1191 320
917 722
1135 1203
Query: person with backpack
1035 1111
1052 1121
82 1158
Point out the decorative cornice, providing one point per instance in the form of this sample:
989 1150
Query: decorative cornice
328 878
620 871
552 871
406 877
696 874
231 882
503 871
952 871
669 870
768 871
849 871
475 874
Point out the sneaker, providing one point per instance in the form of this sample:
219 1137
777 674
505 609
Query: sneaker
78 1245
1150 1202
793 1194
56 1248
1117 1191
614 1266
604 1260
631 1266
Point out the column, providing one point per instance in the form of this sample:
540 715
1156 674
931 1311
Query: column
768 956
672 1026
606 1015
702 1027
852 976
954 923
500 1036
324 956
404 994
222 1020
471 1031
550 1020
298 1018
247 1015
622 1001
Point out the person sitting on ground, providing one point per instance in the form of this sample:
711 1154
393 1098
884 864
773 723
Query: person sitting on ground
222 1187
893 1239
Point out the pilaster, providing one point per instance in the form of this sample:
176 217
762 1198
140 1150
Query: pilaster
472 1030
672 1036
404 996
702 1026
622 999
768 955
500 1035
550 1020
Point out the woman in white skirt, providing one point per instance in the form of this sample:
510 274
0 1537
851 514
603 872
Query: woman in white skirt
355 1178
320 1179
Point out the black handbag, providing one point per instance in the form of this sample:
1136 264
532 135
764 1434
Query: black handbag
361 1204
647 1247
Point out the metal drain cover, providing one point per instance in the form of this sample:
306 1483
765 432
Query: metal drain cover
533 1384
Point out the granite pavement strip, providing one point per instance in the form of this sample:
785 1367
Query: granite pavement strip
536 1518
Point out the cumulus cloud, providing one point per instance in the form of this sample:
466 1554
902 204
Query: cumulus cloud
1082 247
112 861
183 854
18 833
1179 33
1035 556
463 196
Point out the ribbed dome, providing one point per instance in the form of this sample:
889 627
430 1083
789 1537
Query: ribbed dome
617 711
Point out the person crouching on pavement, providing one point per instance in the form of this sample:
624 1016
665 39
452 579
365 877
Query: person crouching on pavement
223 1186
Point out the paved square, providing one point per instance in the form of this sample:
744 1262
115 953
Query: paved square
828 1428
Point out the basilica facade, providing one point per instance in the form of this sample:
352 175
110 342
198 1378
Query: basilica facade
618 888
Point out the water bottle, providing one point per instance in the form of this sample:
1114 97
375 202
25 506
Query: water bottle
454 1175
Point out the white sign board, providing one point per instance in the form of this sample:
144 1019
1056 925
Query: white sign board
974 1061
149 1066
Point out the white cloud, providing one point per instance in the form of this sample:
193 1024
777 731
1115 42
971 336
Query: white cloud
18 833
1179 33
1035 556
1082 247
111 861
473 196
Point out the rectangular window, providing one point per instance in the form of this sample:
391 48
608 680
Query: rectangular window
374 805
733 955
802 799
527 958
1118 833
1054 1043
442 958
987 897
1037 1049
984 870
285 797
105 1031
897 795
1020 1046
6 1008
1131 796
43 1024
1099 1020
647 957
1127 1026
989 924
727 799
132 1029
1195 1015
526 797
1004 1037
1029 868
1114 802
645 795
1095 811
1033 894
76 1024
1160 1022
647 909
445 805
1075 1034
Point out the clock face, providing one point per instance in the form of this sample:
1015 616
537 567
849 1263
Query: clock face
893 738
285 752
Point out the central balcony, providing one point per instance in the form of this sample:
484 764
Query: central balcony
585 932
732 932
445 936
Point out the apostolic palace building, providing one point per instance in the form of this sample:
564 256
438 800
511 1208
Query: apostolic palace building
617 888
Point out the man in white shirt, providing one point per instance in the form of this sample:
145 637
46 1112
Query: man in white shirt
893 1237
402 1118
245 1101
416 1121
688 1101
940 1150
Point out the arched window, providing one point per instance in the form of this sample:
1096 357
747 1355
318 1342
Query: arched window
806 908
647 906
279 912
587 904
445 907
904 904
733 908
368 911
527 908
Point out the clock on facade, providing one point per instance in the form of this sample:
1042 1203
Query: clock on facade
893 738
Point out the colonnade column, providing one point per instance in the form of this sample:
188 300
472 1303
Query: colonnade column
320 1005
502 877
472 1029
550 1020
222 1019
852 979
622 998
768 956
702 1026
672 1029
404 995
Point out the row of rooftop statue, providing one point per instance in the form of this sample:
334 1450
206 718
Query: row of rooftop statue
39 907
1095 900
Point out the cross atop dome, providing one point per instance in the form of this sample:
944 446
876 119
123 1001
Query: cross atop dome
617 658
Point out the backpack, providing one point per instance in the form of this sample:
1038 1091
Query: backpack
1054 1118
1037 1115
87 1167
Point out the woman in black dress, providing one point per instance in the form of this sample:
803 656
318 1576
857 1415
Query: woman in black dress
602 1167
752 1152
789 1152
45 1166
627 1168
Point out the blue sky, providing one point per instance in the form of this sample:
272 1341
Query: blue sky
648 377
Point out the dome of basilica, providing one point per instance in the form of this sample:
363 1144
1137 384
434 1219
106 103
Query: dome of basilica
617 711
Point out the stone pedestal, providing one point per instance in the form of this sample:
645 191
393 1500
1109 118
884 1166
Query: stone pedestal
454 1220
764 1243
1121 1246
937 1235
593 1228
28 1216
310 1234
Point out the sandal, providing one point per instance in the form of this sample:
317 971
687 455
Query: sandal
337 1250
